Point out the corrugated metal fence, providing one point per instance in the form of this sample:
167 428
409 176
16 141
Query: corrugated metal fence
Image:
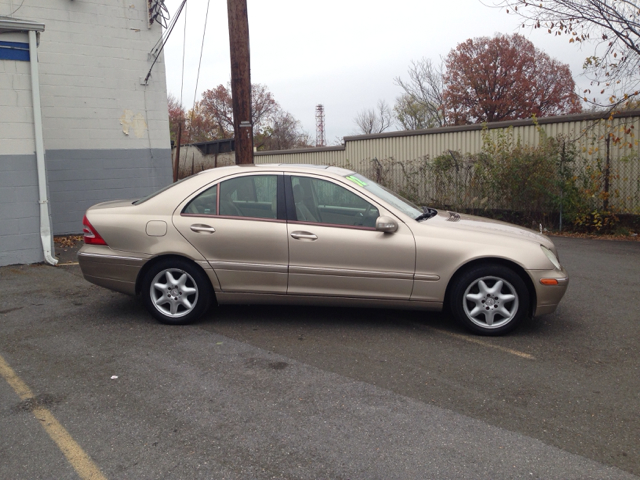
599 141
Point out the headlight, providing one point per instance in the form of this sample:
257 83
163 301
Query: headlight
551 256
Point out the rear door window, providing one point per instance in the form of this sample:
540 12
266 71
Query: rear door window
253 196
248 196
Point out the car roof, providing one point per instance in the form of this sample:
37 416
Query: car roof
192 183
286 167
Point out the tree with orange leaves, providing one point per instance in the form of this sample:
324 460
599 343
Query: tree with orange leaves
177 117
212 118
505 78
216 110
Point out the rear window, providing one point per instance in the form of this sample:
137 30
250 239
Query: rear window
148 197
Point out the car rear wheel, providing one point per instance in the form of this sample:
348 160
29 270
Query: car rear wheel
489 299
176 292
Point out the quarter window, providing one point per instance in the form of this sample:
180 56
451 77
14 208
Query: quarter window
204 204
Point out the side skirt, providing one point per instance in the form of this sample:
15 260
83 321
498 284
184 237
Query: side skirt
264 299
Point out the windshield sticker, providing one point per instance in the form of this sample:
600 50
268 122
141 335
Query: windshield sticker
355 180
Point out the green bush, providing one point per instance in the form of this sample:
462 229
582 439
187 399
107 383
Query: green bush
549 184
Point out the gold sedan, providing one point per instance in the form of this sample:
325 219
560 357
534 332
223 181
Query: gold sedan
311 235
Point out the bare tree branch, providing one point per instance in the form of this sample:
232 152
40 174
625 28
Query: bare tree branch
374 120
423 96
611 26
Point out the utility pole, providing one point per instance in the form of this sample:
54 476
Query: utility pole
240 80
176 163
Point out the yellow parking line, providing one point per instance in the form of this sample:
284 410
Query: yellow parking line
79 460
478 342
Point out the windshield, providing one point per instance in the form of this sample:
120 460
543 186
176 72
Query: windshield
402 204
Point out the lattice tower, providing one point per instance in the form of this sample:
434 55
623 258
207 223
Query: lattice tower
321 140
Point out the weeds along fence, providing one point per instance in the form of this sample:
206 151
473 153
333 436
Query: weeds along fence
583 170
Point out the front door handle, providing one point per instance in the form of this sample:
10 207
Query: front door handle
304 236
201 228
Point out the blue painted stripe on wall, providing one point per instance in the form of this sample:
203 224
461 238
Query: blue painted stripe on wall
14 51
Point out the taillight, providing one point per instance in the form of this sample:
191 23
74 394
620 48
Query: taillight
91 236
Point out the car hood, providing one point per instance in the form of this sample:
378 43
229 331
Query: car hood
471 223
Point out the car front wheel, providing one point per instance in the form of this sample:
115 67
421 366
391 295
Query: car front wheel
176 292
489 299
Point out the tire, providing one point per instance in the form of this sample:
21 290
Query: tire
176 292
489 300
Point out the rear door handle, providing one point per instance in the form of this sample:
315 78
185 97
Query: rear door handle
304 236
201 228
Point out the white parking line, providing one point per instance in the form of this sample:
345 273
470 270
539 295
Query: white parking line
476 341
79 460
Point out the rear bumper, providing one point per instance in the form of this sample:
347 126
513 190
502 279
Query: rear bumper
548 296
111 269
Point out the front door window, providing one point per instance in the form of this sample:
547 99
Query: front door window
321 201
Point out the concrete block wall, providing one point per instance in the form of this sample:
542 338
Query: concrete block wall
16 104
92 56
19 213
106 136
19 210
105 175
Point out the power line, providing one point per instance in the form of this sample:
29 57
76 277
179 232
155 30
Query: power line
163 39
176 166
184 43
204 33
167 30
158 12
201 50
16 9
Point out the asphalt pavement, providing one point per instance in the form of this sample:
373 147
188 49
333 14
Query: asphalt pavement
273 392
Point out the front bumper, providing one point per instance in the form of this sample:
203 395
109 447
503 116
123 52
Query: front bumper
548 296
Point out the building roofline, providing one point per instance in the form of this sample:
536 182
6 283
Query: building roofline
8 24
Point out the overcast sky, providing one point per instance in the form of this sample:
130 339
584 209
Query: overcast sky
343 54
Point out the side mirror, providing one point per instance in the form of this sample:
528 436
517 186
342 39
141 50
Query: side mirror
386 224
